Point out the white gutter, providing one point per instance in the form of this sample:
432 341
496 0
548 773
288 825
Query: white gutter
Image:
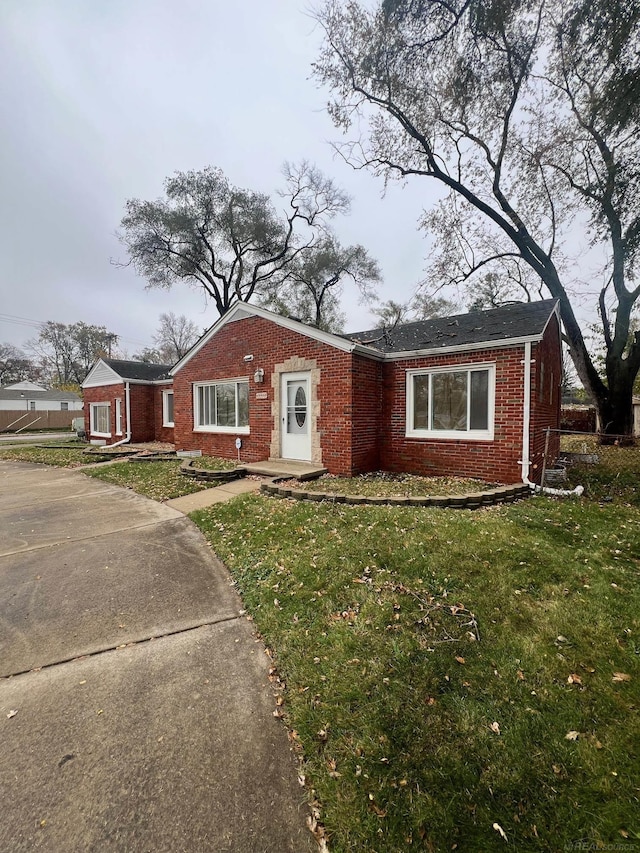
127 409
526 436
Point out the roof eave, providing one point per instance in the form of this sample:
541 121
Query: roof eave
286 322
449 350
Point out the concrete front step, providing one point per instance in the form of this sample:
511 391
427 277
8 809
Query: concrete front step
285 468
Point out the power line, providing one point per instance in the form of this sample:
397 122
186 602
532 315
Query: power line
13 319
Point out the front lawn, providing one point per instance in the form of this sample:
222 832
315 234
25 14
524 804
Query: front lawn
61 457
452 676
159 480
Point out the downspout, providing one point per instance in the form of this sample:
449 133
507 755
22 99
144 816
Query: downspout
127 411
526 436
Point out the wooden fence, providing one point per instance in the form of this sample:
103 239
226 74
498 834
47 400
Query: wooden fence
21 421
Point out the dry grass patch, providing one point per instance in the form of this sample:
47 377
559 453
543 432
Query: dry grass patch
385 484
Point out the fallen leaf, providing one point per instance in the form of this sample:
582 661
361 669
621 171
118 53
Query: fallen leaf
11 713
574 679
499 829
495 728
278 714
621 676
460 659
572 735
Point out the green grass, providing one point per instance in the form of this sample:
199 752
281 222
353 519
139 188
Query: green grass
616 477
371 617
433 662
385 484
159 480
214 463
67 457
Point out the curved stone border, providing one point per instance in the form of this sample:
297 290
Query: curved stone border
502 494
190 469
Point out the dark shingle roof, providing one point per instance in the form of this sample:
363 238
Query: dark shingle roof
522 319
138 369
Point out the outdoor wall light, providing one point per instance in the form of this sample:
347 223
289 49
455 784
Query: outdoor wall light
258 376
248 358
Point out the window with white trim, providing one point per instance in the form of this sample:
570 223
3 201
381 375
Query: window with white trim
64 407
100 414
167 408
452 402
221 406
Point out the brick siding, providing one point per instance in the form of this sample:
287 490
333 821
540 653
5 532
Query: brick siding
358 404
146 411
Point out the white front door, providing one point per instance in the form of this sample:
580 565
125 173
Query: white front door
295 416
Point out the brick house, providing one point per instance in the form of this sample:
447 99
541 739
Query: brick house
128 401
467 395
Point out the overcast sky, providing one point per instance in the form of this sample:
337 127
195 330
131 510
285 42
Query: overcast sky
100 100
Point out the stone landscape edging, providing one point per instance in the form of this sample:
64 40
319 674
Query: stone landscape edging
189 469
490 497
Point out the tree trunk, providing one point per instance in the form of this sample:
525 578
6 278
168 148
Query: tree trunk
615 408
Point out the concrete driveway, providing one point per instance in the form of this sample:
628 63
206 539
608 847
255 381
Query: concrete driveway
135 707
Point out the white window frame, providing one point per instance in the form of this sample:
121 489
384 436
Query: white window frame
459 435
165 409
235 430
64 407
92 413
118 416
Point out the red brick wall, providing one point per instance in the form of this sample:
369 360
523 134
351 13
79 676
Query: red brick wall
146 411
367 414
362 414
495 460
546 393
160 432
270 345
105 394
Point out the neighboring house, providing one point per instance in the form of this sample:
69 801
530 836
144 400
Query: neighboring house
27 396
128 401
470 395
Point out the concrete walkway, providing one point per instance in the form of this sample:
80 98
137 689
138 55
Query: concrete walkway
136 712
215 495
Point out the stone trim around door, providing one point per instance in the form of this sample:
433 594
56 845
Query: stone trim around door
296 365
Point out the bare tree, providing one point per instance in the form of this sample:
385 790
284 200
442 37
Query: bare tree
175 336
67 352
16 367
422 306
314 283
226 241
528 114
